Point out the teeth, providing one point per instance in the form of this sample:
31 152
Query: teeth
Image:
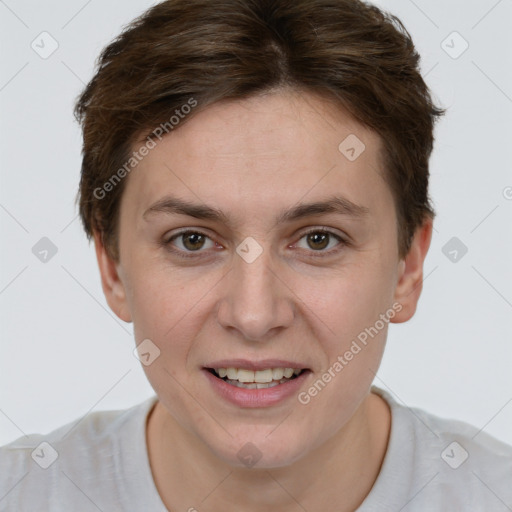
254 385
260 377
232 373
245 375
263 376
268 385
277 373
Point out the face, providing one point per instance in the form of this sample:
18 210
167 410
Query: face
249 240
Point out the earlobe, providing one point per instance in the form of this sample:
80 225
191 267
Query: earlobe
111 282
410 273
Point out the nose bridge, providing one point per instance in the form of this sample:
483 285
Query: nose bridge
254 301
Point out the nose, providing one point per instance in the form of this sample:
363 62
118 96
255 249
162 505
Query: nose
256 301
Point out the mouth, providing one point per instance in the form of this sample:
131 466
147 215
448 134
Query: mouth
256 379
247 383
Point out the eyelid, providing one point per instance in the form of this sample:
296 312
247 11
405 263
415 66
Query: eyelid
322 229
187 231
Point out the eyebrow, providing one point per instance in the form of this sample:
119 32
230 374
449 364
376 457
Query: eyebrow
337 205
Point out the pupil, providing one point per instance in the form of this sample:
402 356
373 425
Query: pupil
318 238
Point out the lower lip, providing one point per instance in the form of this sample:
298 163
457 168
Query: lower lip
256 397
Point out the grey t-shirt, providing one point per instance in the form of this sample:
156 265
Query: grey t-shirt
101 463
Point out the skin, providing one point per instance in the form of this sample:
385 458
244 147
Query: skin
252 159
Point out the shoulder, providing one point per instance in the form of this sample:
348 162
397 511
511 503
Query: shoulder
461 444
445 463
69 462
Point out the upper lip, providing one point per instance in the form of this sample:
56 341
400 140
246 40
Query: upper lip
255 365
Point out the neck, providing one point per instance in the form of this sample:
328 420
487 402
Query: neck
337 475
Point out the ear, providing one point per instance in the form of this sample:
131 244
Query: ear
410 273
112 285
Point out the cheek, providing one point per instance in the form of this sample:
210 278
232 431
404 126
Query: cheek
170 306
350 304
157 302
347 309
348 299
168 310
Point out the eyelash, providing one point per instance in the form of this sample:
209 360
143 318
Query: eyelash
314 254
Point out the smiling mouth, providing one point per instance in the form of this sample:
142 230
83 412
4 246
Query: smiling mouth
260 379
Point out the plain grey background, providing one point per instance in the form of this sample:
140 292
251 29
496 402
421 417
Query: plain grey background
64 354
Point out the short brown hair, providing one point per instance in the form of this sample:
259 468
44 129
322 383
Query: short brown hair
179 50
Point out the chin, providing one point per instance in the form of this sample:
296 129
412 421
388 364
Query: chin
261 450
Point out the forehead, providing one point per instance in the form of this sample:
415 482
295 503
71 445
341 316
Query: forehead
273 124
263 151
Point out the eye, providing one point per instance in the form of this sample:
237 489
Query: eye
320 240
191 241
